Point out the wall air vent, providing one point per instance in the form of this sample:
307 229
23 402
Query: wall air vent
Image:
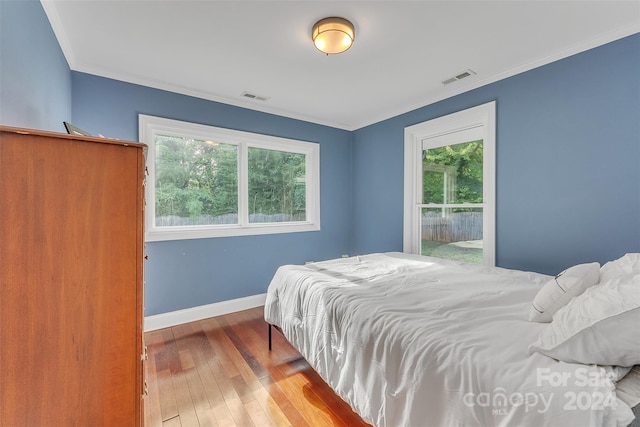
254 96
466 73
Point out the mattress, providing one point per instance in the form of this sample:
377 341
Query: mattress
409 340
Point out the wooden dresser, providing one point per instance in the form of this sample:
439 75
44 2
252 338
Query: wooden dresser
71 280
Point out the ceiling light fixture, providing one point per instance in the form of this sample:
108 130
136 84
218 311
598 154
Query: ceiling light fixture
333 35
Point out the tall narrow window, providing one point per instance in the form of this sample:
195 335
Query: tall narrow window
208 182
449 186
452 199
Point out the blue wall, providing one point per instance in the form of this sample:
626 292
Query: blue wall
568 163
186 273
35 82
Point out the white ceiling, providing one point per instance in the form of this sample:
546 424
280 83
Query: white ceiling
403 50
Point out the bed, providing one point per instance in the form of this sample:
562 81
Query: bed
409 340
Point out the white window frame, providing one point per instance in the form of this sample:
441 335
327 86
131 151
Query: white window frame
442 129
150 126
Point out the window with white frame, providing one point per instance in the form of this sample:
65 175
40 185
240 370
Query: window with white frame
205 181
449 209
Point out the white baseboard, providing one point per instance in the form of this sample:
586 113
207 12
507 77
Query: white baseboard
166 320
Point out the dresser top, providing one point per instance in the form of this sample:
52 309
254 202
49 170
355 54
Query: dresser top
34 132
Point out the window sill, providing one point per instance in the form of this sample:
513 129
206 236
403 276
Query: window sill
187 233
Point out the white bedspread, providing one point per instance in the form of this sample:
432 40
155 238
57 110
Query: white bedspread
416 341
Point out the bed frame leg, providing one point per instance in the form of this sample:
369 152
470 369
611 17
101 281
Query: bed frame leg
269 336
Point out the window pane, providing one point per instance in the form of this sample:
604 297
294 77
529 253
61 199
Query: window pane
196 182
277 190
452 233
453 174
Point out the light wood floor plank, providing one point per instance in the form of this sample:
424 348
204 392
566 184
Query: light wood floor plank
173 422
166 396
186 409
152 400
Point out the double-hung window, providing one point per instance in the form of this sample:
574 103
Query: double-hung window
450 186
205 181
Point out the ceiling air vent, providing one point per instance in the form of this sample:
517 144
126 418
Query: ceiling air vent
459 76
254 96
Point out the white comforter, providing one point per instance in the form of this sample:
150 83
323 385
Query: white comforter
416 341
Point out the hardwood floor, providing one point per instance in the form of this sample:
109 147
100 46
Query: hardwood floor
220 372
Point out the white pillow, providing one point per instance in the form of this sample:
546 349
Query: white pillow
629 263
601 326
558 291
